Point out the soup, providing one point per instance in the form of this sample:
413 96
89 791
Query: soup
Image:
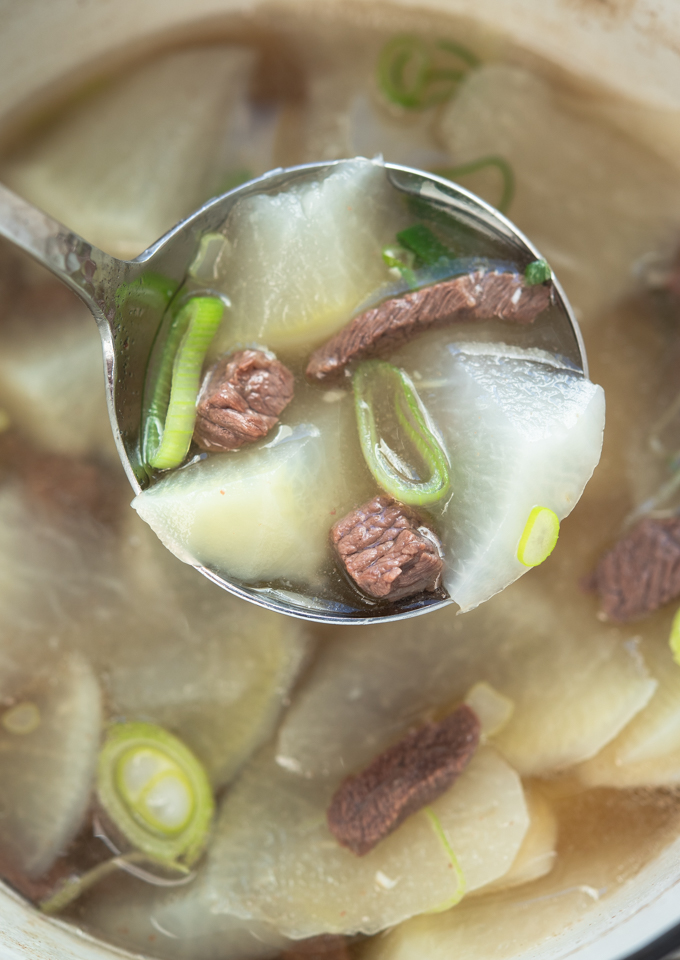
328 468
567 789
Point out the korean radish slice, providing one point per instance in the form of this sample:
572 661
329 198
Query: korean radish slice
306 258
524 434
369 686
49 741
273 858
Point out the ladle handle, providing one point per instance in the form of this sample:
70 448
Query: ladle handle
88 271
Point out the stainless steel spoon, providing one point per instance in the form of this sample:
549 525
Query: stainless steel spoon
128 325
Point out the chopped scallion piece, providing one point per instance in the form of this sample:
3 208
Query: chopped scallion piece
233 179
150 291
448 850
503 167
539 537
674 639
420 240
160 397
414 75
197 323
74 887
378 384
210 258
537 272
398 258
156 793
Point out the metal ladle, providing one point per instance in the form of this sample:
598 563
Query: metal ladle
128 326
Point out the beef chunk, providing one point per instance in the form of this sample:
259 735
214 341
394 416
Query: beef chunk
411 774
328 946
241 400
381 330
641 572
387 550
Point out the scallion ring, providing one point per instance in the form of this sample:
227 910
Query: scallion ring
376 380
410 75
500 163
156 793
538 537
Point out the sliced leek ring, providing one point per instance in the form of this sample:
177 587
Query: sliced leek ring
156 792
539 537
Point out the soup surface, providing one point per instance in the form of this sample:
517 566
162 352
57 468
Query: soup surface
180 769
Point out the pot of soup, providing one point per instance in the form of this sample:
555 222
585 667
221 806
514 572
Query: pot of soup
188 776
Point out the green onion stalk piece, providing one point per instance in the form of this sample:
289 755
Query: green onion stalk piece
503 167
409 75
397 257
74 887
674 639
539 537
150 291
453 860
375 381
157 409
420 240
537 272
156 792
178 382
208 263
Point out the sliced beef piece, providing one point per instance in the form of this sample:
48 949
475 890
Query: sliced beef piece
473 296
241 399
387 550
328 946
641 572
406 777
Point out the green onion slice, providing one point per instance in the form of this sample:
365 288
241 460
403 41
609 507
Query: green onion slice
233 179
537 272
178 382
414 74
500 163
421 241
453 860
398 258
150 291
539 537
156 792
674 639
158 405
379 385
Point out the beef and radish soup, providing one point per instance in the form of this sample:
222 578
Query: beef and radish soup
357 397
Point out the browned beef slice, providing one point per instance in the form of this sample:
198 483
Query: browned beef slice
241 400
328 946
641 572
473 296
414 772
387 550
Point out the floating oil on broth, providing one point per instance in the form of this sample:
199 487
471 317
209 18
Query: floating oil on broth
103 625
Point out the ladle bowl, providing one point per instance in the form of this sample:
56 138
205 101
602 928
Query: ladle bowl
128 325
